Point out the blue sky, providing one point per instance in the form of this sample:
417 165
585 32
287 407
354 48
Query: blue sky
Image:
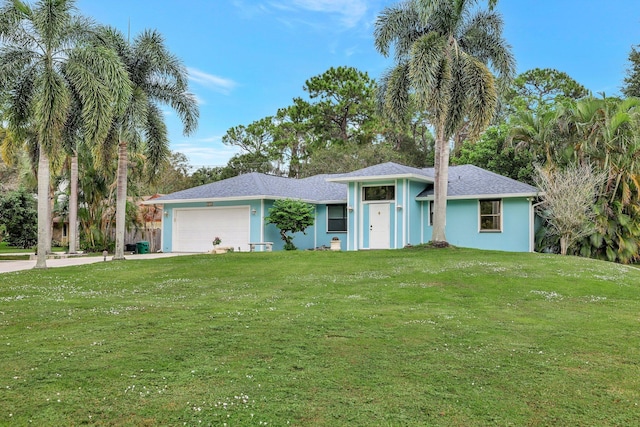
247 58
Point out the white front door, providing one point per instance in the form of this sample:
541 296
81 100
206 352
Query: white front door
379 226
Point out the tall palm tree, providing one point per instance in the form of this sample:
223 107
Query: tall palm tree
445 51
158 77
72 143
45 58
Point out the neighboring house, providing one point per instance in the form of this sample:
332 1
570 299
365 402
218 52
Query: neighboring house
149 224
385 206
60 231
150 220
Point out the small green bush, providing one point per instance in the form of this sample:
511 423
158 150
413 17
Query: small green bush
290 216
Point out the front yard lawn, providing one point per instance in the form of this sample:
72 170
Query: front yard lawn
407 337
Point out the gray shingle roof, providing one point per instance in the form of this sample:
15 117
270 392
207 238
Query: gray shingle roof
470 180
464 181
256 185
383 169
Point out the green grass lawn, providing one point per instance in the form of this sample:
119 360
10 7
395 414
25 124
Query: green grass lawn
416 337
7 250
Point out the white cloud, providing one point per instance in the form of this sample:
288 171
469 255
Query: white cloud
216 83
350 11
206 151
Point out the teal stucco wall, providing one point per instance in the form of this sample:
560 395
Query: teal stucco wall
463 219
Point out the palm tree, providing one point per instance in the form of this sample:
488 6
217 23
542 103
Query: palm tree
72 143
158 77
538 133
45 59
442 48
607 130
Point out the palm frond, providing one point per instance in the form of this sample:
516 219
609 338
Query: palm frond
481 93
430 72
482 38
157 142
103 86
51 109
51 19
397 27
396 98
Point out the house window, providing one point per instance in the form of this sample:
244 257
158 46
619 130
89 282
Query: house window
381 192
490 215
336 218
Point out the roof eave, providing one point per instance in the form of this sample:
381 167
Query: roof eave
415 177
331 202
206 199
239 199
483 196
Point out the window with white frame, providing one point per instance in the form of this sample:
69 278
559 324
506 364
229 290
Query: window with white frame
379 193
491 215
336 218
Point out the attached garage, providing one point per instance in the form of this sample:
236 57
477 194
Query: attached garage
194 229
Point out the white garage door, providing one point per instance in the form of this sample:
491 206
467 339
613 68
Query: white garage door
195 229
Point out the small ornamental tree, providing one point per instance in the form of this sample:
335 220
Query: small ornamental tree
568 199
290 216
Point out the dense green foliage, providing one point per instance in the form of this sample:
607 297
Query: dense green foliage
602 133
631 85
290 216
19 218
406 337
491 152
541 89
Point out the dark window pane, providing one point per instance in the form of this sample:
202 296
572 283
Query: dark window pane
337 225
383 192
336 218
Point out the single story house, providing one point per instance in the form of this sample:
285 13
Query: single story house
385 206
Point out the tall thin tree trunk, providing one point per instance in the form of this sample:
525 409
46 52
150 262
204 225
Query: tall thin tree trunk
440 188
43 208
73 204
121 200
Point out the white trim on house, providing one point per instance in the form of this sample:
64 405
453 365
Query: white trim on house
412 176
532 231
481 196
262 220
236 199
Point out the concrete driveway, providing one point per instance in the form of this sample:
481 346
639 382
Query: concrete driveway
9 266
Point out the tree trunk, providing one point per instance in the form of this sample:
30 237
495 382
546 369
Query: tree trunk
73 204
121 200
440 189
564 247
43 208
